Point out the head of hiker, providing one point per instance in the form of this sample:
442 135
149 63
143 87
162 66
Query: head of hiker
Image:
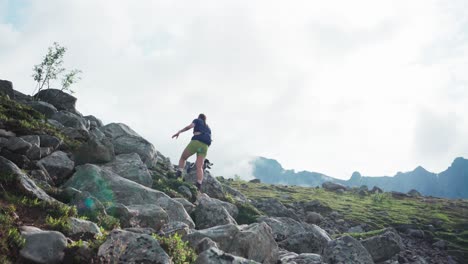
199 144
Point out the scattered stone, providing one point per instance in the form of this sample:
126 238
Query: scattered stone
128 247
42 246
347 250
214 255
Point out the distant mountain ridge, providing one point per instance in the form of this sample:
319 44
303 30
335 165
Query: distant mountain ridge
451 183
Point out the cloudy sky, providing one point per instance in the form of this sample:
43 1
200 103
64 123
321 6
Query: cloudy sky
327 86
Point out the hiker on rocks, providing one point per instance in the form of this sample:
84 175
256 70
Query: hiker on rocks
199 144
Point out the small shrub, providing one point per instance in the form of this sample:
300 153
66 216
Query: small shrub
178 250
379 197
248 214
60 224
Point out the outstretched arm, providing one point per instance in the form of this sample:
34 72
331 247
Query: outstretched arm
176 135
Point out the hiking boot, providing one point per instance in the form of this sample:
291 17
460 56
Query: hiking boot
178 174
198 185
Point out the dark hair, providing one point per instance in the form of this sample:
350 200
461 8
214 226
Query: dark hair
202 117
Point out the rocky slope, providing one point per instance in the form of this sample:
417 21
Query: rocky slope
451 183
74 190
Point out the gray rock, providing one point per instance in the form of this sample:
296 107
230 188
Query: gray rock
283 227
205 244
95 151
254 242
356 229
20 160
441 244
109 187
41 176
210 186
313 241
96 122
332 186
44 108
83 228
32 139
76 133
6 134
58 165
85 203
127 141
44 152
414 193
6 89
131 167
255 181
314 218
141 230
376 190
172 228
384 246
24 184
211 212
34 153
346 249
185 191
235 194
416 233
189 207
48 141
69 119
18 145
128 247
304 258
214 255
42 246
273 207
3 142
57 98
148 215
55 124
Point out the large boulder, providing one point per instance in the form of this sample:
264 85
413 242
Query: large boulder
69 119
235 194
58 98
58 165
110 188
48 141
94 151
273 207
313 241
44 108
385 246
283 227
253 242
332 186
212 212
214 255
346 249
18 145
23 183
93 121
42 246
189 207
129 247
127 141
131 167
210 186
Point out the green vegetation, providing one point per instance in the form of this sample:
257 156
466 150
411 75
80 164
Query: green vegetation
178 250
170 186
248 214
24 120
10 239
51 68
378 210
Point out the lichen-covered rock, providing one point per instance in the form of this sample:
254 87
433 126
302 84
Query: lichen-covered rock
273 207
172 228
189 207
95 151
80 227
69 119
128 247
42 246
346 249
205 244
304 258
283 227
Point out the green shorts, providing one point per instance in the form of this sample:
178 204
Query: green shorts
198 147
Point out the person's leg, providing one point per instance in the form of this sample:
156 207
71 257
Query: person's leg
188 151
199 164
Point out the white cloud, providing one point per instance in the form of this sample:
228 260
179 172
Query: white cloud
330 86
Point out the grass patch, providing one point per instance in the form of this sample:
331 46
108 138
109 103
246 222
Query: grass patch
11 240
171 186
177 249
